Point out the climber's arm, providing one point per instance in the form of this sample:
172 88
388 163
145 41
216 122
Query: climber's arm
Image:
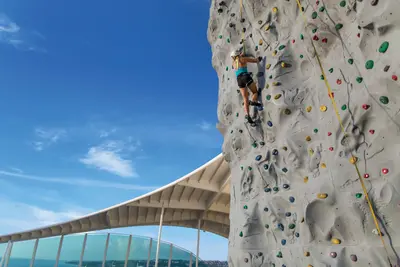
251 59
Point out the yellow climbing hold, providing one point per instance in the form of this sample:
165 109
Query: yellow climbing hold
323 165
275 83
308 138
267 86
275 9
274 53
277 96
311 152
260 42
268 66
308 109
306 253
322 195
336 241
283 64
353 160
267 27
309 265
305 179
302 219
323 108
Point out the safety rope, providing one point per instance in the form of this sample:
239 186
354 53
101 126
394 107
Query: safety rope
241 18
345 134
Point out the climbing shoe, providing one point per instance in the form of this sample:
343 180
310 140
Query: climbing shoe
249 119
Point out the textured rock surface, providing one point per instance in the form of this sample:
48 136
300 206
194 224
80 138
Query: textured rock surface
302 194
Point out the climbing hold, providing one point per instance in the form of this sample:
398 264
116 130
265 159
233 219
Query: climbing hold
249 168
275 152
301 56
267 27
281 227
314 15
240 131
310 265
296 234
342 3
274 9
285 186
322 9
287 111
276 189
351 61
241 234
365 106
270 77
358 35
267 189
384 46
323 108
374 2
331 148
285 149
220 10
371 131
331 95
353 160
277 96
323 165
339 81
245 207
262 143
322 195
285 170
227 68
344 107
329 133
330 70
366 175
269 123
266 226
242 20
325 40
244 30
231 25
336 241
258 157
274 53
260 42
315 38
266 209
308 109
241 167
333 254
293 41
394 77
385 171
246 260
220 36
283 242
353 257
306 254
358 195
322 77
279 254
288 214
359 79
281 47
386 68
292 226
315 130
301 36
311 151
260 254
268 66
283 64
254 145
369 64
308 138
291 199
228 40
338 26
268 97
305 179
384 100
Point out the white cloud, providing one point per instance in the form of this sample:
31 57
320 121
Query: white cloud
78 182
47 137
205 126
14 169
109 156
104 133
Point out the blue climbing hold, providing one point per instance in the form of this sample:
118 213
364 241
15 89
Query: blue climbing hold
283 265
267 189
284 169
265 166
291 199
275 152
269 123
297 234
285 186
283 242
258 157
288 214
280 226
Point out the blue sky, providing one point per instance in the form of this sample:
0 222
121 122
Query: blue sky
101 103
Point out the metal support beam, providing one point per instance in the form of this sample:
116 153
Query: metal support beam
5 253
83 250
7 258
105 250
191 259
59 250
170 255
149 254
128 250
198 243
34 253
159 236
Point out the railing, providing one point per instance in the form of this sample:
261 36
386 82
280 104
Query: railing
94 250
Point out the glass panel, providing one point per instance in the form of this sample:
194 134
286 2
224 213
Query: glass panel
94 250
116 253
21 253
3 248
139 251
180 257
47 251
71 250
163 255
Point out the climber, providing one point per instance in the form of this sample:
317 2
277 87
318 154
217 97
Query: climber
245 81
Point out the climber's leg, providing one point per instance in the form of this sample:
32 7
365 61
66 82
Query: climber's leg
254 97
245 95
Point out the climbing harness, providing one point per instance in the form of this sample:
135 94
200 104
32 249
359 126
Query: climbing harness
345 135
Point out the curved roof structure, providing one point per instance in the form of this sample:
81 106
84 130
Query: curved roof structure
202 194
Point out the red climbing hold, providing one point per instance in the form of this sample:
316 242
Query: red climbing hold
325 40
371 131
315 38
366 176
293 41
339 81
385 171
394 77
331 148
329 133
358 35
365 106
317 2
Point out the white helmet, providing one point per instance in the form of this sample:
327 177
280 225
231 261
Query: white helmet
235 53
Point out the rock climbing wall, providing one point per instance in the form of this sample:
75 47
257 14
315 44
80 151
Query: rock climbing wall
296 196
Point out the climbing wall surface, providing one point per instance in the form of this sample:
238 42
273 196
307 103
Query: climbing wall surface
296 196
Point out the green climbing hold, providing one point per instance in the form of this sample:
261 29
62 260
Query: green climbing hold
241 167
358 195
322 9
338 26
265 166
276 189
322 76
241 234
270 76
227 68
281 47
351 61
266 226
228 40
220 37
268 97
254 145
315 130
237 114
314 30
301 36
245 207
279 254
344 107
314 15
369 64
342 3
331 70
232 132
384 100
301 56
292 226
359 79
287 111
250 168
384 46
